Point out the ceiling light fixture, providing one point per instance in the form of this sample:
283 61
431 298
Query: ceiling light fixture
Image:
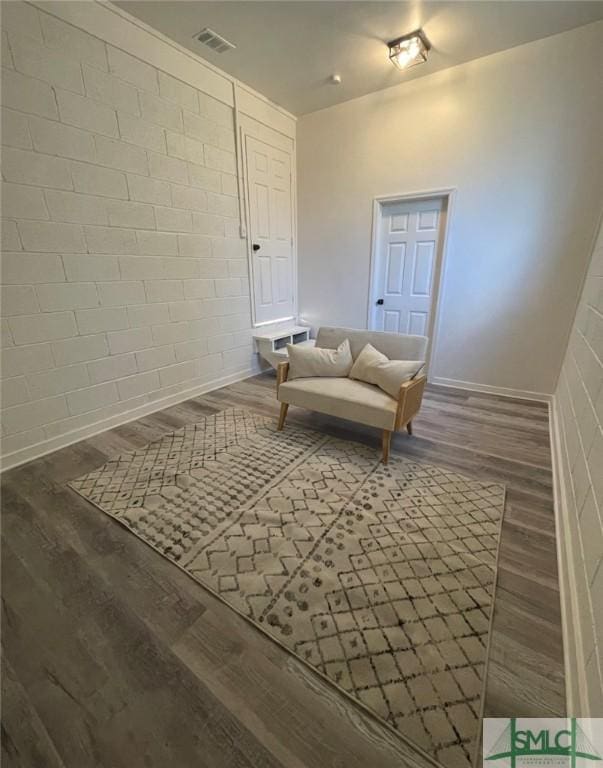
408 50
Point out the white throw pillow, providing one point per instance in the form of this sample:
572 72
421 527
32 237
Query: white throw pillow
373 367
306 362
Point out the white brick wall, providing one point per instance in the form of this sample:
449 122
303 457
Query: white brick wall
579 412
124 276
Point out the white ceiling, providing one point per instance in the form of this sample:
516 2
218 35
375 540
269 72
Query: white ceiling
288 50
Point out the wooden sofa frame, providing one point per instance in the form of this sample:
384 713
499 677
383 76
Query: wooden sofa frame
409 403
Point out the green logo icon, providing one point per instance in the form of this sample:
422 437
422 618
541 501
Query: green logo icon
569 742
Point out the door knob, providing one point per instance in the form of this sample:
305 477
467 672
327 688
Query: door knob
256 247
379 302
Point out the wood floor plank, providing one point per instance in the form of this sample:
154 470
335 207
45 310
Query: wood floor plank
25 741
116 658
286 695
127 697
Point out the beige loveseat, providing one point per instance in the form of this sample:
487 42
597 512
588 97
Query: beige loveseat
356 400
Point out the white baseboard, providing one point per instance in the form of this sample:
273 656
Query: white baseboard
488 389
568 593
23 455
560 508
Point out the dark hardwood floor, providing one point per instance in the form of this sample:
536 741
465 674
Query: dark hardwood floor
114 657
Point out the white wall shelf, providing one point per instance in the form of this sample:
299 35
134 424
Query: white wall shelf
272 347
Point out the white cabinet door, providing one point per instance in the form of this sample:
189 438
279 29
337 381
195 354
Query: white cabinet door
406 260
270 230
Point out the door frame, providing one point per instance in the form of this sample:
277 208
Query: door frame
245 133
448 195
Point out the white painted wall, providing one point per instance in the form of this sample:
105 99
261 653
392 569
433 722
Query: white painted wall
578 450
124 279
518 134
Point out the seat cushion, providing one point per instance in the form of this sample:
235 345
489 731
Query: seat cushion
345 398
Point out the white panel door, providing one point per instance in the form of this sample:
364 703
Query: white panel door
270 230
405 266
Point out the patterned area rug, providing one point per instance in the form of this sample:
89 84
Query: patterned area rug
381 578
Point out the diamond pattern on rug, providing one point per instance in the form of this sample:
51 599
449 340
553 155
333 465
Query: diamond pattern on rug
381 578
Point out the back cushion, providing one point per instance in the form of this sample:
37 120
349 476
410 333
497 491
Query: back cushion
395 346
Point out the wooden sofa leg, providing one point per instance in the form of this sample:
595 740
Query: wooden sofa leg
409 427
282 415
385 442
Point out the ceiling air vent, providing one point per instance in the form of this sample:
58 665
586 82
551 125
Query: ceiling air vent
214 41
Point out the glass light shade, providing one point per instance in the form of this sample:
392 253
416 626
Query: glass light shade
409 50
